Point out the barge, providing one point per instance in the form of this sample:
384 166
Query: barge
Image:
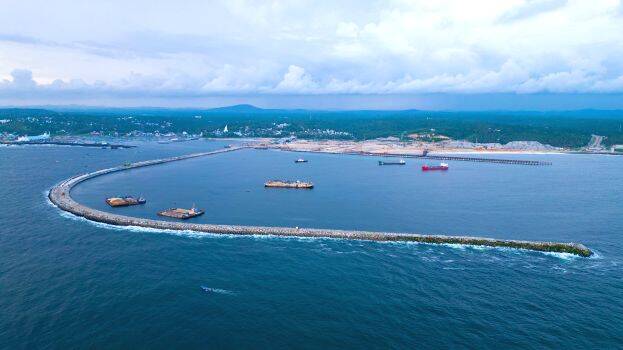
125 201
400 162
180 213
289 184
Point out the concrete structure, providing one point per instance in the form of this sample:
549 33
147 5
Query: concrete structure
60 195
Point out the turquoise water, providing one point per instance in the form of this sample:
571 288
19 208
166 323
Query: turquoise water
66 282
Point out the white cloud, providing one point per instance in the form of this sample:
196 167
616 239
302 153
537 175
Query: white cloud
310 47
531 8
296 80
347 30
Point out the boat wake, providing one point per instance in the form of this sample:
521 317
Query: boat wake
217 290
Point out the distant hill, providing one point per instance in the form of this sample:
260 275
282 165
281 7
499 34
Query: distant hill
237 108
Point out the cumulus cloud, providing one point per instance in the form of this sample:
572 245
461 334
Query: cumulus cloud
311 47
22 79
296 80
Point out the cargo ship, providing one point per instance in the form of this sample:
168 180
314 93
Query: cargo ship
125 201
400 162
300 160
180 213
289 184
442 166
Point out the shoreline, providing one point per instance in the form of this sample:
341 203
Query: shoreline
378 147
383 148
412 148
60 196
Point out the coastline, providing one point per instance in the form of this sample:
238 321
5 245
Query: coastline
384 147
380 147
60 195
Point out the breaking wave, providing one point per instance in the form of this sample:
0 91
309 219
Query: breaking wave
197 234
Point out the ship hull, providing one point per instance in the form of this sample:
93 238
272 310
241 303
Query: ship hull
433 168
391 163
124 202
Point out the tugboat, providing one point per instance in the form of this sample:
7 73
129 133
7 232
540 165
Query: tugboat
125 201
442 166
400 162
180 213
300 160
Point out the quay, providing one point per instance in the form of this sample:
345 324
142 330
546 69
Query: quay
60 195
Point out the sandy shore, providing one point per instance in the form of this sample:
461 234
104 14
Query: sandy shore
382 147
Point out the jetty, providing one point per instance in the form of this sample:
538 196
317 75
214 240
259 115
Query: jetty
60 195
461 158
487 160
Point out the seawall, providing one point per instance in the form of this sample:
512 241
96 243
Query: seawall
60 195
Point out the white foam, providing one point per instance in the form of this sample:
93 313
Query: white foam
596 255
197 234
563 256
47 199
217 290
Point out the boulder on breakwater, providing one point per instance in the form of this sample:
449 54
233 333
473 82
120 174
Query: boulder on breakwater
60 195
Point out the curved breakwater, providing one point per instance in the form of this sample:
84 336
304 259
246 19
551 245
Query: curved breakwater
60 195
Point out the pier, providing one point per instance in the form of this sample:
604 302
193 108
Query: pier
463 159
487 160
60 195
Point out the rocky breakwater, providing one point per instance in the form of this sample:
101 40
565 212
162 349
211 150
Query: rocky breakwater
60 195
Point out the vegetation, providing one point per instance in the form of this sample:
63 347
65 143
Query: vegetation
563 129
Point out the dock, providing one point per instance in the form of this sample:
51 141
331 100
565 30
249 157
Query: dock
60 195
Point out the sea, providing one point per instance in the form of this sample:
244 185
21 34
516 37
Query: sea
66 282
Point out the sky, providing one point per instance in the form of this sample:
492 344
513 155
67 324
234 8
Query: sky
446 54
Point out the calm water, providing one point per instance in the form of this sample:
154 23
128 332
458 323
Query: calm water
66 282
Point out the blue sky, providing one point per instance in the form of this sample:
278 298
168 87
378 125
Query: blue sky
376 54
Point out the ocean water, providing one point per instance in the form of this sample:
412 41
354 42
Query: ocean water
66 282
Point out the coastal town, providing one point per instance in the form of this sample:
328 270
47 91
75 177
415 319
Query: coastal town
413 145
404 132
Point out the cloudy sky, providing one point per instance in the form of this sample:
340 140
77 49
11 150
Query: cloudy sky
385 53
